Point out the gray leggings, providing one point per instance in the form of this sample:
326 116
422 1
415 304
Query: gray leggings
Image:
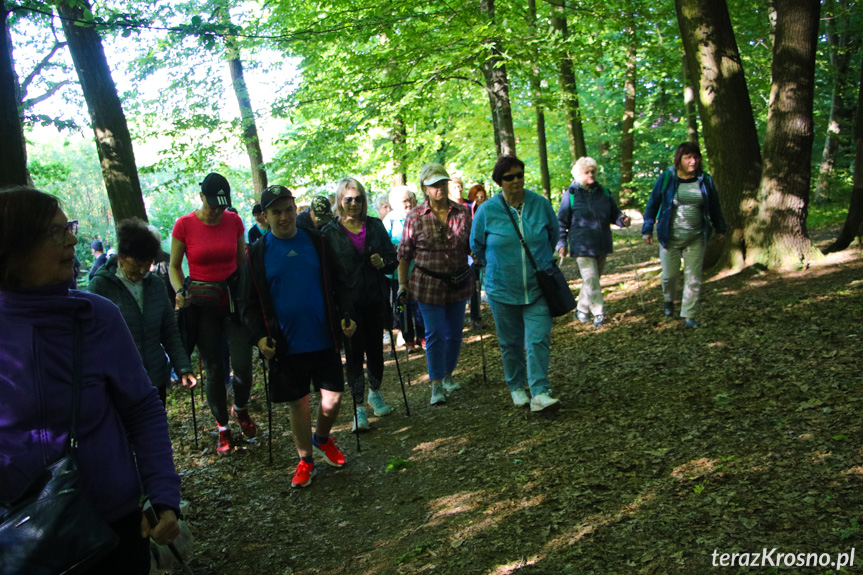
213 322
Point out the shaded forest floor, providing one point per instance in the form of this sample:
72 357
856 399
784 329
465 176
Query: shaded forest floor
671 443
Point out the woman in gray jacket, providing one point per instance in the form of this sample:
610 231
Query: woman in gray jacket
143 301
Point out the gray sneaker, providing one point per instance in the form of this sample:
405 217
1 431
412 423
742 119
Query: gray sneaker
362 420
377 402
449 384
437 396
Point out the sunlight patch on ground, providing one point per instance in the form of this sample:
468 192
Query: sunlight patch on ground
441 442
858 470
515 566
454 504
695 469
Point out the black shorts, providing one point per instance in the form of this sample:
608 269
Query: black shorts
290 375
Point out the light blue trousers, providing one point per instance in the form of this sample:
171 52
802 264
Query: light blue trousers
444 326
520 329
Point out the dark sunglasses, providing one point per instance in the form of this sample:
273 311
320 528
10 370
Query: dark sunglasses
511 177
353 199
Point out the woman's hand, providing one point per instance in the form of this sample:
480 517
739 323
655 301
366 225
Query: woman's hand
349 330
562 253
165 531
648 239
266 350
377 260
188 380
182 301
625 221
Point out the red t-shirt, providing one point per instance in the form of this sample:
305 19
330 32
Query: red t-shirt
211 250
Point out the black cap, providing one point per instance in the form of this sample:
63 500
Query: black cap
217 190
97 245
274 193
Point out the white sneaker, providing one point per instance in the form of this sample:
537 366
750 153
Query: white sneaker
519 398
378 405
449 384
400 340
386 338
362 420
543 401
437 395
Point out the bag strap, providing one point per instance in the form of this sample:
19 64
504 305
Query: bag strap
517 231
77 376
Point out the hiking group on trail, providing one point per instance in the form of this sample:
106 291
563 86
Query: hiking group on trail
307 286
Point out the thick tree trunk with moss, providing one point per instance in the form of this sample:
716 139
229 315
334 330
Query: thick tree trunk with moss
13 160
497 86
728 125
536 93
689 107
400 177
854 220
778 237
843 42
627 138
569 88
247 114
113 140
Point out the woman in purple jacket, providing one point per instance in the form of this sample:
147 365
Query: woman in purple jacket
123 443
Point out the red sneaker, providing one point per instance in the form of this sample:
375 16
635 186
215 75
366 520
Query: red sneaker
244 419
329 451
224 441
423 342
303 476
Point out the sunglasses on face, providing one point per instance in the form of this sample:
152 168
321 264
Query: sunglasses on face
353 199
511 177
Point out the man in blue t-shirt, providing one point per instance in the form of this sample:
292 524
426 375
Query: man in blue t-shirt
292 299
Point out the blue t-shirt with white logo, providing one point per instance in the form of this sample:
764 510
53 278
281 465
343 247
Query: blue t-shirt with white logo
294 276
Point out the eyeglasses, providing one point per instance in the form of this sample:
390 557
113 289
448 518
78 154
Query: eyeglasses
511 177
58 233
353 199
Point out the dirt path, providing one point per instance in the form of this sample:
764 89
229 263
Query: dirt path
671 443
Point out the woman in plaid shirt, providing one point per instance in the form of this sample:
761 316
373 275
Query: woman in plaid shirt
436 238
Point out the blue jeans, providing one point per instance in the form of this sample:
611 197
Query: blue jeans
521 327
444 325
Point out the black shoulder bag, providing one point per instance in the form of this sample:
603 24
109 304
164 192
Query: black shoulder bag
551 282
53 527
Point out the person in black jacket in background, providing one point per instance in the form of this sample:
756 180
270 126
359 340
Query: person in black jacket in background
364 253
586 213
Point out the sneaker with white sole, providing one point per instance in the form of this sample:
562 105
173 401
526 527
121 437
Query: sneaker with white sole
378 405
437 396
361 421
329 451
449 384
303 475
543 402
519 398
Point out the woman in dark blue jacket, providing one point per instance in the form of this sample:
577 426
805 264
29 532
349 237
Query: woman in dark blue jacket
586 213
364 254
684 206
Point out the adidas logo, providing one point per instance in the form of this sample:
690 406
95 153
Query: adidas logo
292 253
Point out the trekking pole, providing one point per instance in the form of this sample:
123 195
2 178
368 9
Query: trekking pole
269 401
481 343
153 520
194 417
405 316
635 268
201 369
399 370
351 389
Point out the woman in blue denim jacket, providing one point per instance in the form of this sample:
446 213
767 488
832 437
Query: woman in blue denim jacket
687 204
521 315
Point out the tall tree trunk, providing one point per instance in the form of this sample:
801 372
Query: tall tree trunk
113 140
854 220
497 86
689 106
536 92
13 160
842 40
778 237
569 88
247 114
730 138
400 177
627 138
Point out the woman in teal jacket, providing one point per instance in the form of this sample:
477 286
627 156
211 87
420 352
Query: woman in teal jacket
126 280
521 315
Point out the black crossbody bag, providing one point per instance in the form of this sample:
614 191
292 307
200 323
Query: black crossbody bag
551 282
53 528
